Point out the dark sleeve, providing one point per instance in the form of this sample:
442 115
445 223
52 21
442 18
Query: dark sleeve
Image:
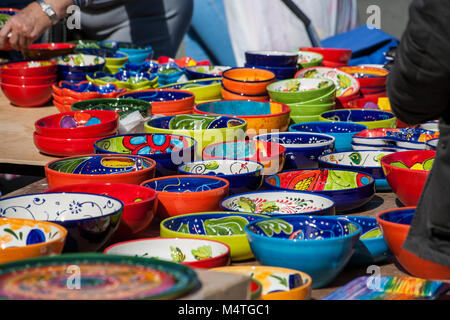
419 84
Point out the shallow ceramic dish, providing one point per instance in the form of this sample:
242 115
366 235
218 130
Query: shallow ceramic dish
105 277
165 149
202 72
260 116
271 58
195 253
27 96
80 63
224 227
90 219
243 175
85 90
29 68
432 144
302 149
249 81
182 194
347 188
121 106
280 203
45 51
363 161
139 204
277 283
371 118
203 89
299 90
271 155
320 246
99 168
23 239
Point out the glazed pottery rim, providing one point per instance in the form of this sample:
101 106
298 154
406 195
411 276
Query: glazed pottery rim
391 118
26 86
330 140
249 81
270 53
203 193
409 170
79 83
194 68
322 169
152 167
346 124
49 63
216 82
367 240
327 89
260 169
354 79
101 59
48 46
380 219
281 150
193 263
285 109
303 241
63 140
95 102
319 159
125 93
366 68
243 123
242 94
61 237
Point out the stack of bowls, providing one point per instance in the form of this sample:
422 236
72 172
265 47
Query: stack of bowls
282 64
75 67
28 84
136 53
75 132
205 90
246 84
372 80
332 57
47 51
307 98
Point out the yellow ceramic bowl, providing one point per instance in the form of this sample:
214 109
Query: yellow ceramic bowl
263 275
373 119
203 89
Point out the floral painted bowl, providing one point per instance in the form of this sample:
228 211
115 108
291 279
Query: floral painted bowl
23 239
277 283
302 149
363 161
121 106
126 79
299 90
80 63
224 227
90 219
371 118
165 149
203 72
243 175
280 203
347 188
178 195
92 168
196 253
319 246
203 89
270 155
307 59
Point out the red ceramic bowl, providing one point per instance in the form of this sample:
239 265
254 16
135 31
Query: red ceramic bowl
407 184
395 234
229 95
22 80
139 204
27 96
50 126
360 103
372 90
29 68
382 94
368 77
61 106
336 55
48 50
248 81
331 64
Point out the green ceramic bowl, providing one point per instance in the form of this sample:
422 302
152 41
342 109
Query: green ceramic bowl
299 90
117 62
311 110
122 106
328 98
373 119
127 85
299 119
308 59
203 89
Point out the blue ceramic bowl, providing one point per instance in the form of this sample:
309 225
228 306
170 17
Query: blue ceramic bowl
128 48
349 189
371 118
280 72
271 58
146 66
182 184
371 247
73 76
157 95
242 175
341 131
363 161
318 246
90 87
167 150
302 149
90 219
203 72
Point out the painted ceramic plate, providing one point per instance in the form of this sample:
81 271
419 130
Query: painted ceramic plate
102 277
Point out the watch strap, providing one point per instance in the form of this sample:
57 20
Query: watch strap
48 10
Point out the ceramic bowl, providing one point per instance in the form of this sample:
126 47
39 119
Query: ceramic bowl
341 131
270 155
319 246
310 109
271 58
243 175
301 119
337 55
250 81
368 77
195 253
281 73
165 149
27 96
277 283
86 90
61 106
26 81
80 63
302 149
347 188
126 79
23 239
307 59
121 106
203 72
78 124
280 203
297 90
363 161
137 53
411 166
99 168
432 144
182 194
29 69
260 116
328 98
74 77
205 129
224 227
46 51
230 95
90 219
371 118
395 225
203 89
139 204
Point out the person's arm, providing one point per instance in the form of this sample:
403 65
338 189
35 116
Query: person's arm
419 84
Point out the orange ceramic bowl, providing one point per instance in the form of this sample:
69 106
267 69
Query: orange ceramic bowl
395 224
24 239
94 168
64 99
249 81
61 106
230 95
182 194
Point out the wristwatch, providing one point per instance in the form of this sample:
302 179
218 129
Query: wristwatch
48 10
